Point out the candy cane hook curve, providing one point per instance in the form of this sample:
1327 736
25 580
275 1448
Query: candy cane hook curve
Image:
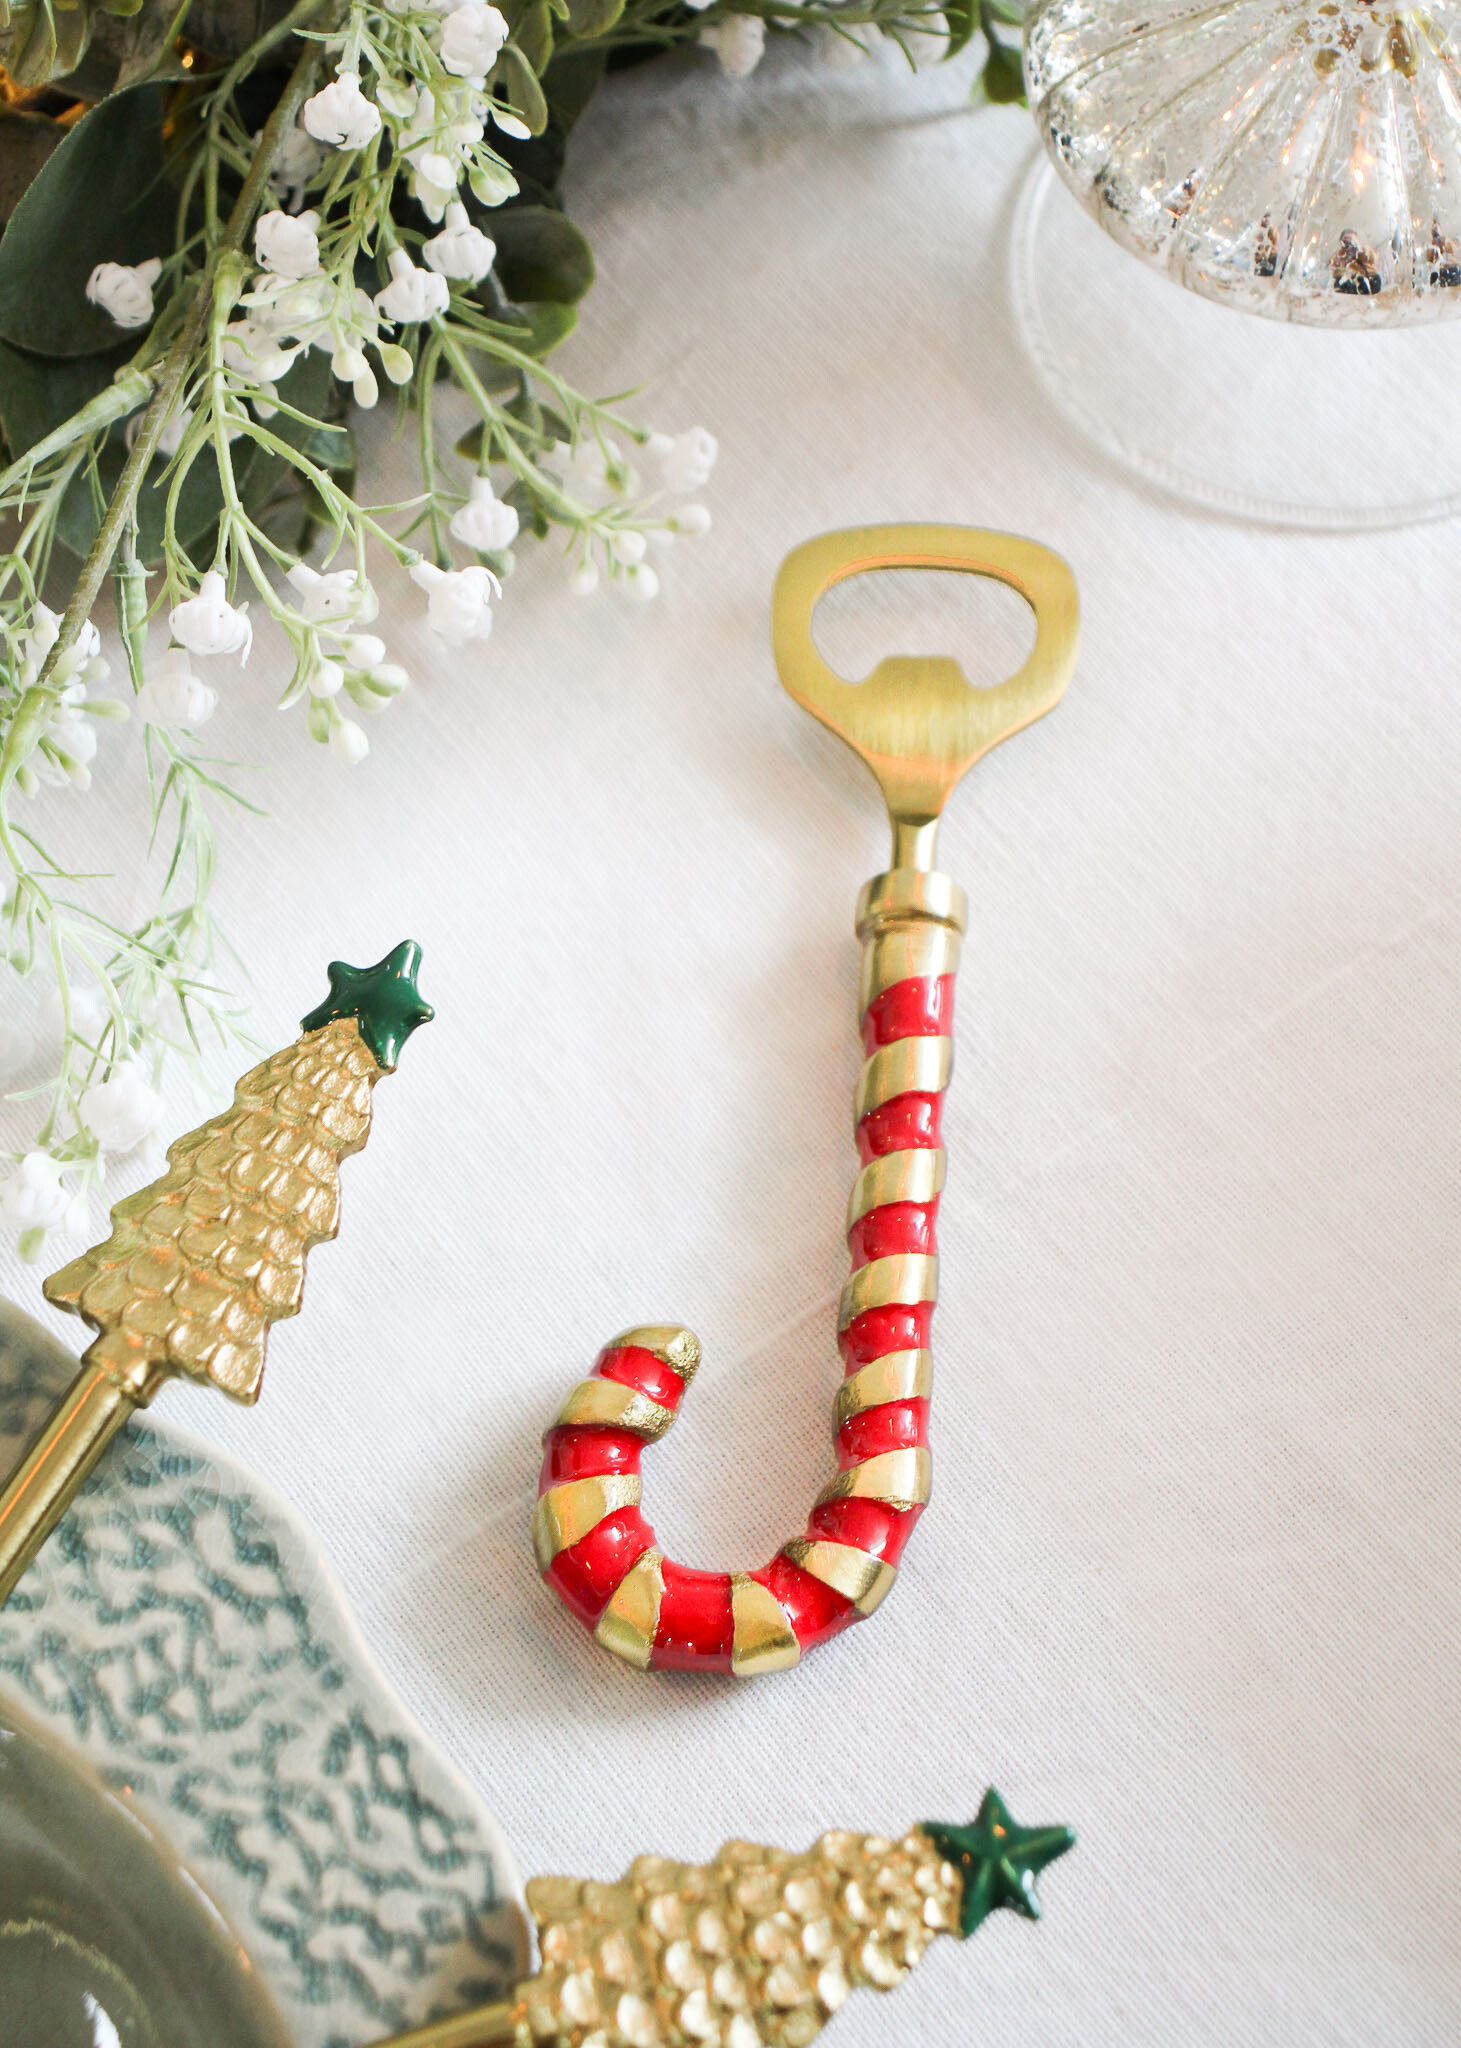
919 725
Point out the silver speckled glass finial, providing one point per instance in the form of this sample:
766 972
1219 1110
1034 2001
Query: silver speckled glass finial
1296 158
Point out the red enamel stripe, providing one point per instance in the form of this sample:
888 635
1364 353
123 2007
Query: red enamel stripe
589 1575
902 1124
632 1366
919 1008
877 1331
869 1525
895 1227
577 1452
814 1610
893 1426
696 1628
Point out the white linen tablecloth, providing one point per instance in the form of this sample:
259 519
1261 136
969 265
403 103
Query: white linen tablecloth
1189 1576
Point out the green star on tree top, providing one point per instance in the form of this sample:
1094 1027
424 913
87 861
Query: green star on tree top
384 1001
998 1860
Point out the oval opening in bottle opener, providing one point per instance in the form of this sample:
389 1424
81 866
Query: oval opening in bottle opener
919 724
917 721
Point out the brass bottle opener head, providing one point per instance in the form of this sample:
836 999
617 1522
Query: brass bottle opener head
918 722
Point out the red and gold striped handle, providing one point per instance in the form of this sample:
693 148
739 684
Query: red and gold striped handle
593 1543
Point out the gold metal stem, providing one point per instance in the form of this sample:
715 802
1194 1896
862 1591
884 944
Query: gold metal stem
37 1493
490 2026
915 844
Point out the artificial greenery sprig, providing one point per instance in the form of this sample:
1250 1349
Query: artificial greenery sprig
258 228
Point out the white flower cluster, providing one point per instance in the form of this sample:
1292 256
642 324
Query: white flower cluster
122 1113
627 511
34 1198
338 659
60 729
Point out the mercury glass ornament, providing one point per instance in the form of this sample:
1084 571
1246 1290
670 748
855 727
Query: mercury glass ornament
1296 158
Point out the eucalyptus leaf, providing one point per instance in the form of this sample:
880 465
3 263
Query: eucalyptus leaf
101 197
549 322
962 17
588 18
533 33
540 255
1003 77
26 140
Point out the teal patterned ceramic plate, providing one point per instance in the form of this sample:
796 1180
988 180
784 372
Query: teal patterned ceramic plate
182 1631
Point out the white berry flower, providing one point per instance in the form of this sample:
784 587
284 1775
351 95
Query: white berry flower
412 294
122 1110
684 461
251 352
171 695
35 1199
691 519
585 579
348 741
65 744
628 545
460 250
362 650
209 624
287 243
300 156
350 366
340 114
336 594
739 40
434 177
596 471
323 678
471 36
124 290
458 601
484 522
639 581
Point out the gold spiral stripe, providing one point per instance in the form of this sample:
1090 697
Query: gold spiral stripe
630 1622
865 1581
671 1343
900 1376
567 1513
900 1479
918 951
605 1404
916 1175
905 1279
763 1638
910 1065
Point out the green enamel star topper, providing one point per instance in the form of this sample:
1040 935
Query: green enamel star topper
384 1000
998 1860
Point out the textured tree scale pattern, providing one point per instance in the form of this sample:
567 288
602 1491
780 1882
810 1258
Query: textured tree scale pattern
755 1950
202 1261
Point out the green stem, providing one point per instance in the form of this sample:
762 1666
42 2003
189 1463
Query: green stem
178 360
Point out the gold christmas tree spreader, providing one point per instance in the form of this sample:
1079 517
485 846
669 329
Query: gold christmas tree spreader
757 1949
202 1261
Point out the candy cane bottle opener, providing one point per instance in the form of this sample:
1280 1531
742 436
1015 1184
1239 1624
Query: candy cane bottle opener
919 725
